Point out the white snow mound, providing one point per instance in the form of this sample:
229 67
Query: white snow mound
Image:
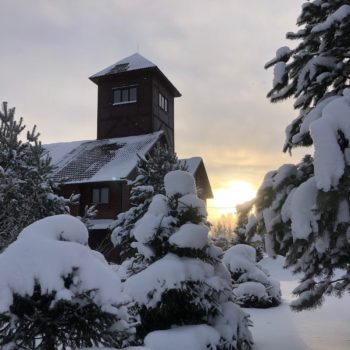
169 272
58 227
44 254
192 201
244 250
198 337
329 158
190 236
250 289
179 182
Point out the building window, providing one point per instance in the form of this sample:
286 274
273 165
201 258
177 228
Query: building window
100 195
163 102
124 95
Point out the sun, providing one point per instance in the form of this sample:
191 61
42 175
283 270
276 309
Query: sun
227 197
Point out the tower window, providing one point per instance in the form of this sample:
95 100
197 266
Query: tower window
100 195
163 102
124 95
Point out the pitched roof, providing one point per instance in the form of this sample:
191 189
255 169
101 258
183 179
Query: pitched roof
133 62
99 160
192 163
195 166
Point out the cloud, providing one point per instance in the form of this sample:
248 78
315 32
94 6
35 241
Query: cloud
213 51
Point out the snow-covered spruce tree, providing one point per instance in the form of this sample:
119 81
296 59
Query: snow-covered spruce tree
303 210
268 219
149 181
56 293
252 285
26 191
179 279
240 230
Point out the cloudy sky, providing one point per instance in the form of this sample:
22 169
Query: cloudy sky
213 52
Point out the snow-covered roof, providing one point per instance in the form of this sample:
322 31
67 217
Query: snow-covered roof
133 62
99 160
192 164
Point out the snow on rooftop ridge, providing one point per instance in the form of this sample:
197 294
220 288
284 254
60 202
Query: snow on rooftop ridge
133 62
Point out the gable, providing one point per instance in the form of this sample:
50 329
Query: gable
195 166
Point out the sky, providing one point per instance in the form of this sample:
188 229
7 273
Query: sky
213 52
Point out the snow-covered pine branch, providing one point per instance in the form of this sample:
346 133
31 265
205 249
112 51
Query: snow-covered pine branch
303 210
149 181
26 190
55 292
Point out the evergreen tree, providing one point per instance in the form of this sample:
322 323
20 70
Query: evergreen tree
149 181
56 293
240 231
26 191
252 285
177 277
303 210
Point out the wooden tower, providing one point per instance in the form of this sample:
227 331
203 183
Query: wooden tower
134 98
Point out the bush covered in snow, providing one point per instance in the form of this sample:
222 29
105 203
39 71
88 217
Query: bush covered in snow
252 286
26 191
149 181
55 292
303 210
177 278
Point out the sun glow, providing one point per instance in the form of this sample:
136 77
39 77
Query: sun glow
227 197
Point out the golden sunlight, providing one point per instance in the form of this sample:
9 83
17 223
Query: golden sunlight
226 198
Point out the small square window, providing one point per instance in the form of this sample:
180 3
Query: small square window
124 95
100 195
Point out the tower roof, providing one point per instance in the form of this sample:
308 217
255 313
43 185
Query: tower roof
128 64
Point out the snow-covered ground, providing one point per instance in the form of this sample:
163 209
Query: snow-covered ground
280 328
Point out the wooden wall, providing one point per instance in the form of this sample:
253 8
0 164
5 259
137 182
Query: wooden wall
119 198
125 119
135 118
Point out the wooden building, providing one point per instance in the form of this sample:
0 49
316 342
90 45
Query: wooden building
135 111
134 98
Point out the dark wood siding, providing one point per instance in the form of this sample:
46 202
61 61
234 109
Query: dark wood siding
118 198
163 120
125 119
135 118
